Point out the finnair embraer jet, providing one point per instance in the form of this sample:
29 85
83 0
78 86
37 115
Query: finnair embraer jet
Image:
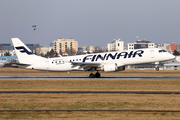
108 61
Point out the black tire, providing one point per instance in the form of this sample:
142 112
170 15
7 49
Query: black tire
98 75
157 69
91 75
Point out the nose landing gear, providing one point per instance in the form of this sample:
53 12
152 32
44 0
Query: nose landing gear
157 67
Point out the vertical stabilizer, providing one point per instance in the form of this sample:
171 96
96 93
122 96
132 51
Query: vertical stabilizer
24 54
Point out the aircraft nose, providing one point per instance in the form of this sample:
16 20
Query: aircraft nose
178 59
171 56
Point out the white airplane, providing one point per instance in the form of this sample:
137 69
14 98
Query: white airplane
108 61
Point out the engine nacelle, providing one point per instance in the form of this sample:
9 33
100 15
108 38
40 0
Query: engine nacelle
112 67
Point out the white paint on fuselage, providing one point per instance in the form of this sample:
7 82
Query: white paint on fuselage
64 63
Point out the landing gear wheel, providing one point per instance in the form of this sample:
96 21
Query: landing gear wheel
157 69
92 75
157 66
98 75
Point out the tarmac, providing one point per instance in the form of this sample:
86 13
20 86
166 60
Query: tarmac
86 77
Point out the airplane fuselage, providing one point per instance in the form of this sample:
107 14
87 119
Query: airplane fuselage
108 61
120 58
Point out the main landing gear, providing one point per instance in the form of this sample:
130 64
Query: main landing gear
97 75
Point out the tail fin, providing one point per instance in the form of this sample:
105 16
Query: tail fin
24 54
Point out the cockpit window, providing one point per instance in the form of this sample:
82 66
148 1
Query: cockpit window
161 51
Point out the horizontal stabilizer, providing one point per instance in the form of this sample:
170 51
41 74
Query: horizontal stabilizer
19 65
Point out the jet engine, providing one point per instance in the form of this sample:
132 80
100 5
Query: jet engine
112 67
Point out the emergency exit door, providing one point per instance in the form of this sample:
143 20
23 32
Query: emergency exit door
47 64
152 53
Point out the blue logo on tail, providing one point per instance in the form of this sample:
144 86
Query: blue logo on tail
23 50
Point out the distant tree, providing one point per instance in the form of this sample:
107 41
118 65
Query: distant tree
42 55
7 53
98 50
70 51
60 52
80 52
106 50
51 54
38 51
176 53
56 55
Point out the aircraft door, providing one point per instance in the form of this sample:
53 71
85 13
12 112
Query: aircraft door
47 64
152 53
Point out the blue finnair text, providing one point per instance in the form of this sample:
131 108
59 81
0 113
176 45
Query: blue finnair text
117 55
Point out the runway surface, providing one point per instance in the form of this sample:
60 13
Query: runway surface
156 111
91 92
86 77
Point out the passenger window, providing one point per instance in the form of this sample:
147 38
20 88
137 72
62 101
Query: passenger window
163 50
160 51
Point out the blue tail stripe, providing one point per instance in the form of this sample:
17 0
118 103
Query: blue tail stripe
23 49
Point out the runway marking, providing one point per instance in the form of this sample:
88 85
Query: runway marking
86 77
90 92
158 111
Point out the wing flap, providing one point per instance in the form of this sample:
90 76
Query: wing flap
85 65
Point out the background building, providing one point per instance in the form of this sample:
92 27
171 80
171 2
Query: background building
7 47
172 47
178 47
85 48
66 46
43 50
140 44
163 46
33 47
92 49
116 45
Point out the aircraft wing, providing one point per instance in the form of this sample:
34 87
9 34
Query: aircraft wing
85 65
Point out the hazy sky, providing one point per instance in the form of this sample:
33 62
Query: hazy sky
90 22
